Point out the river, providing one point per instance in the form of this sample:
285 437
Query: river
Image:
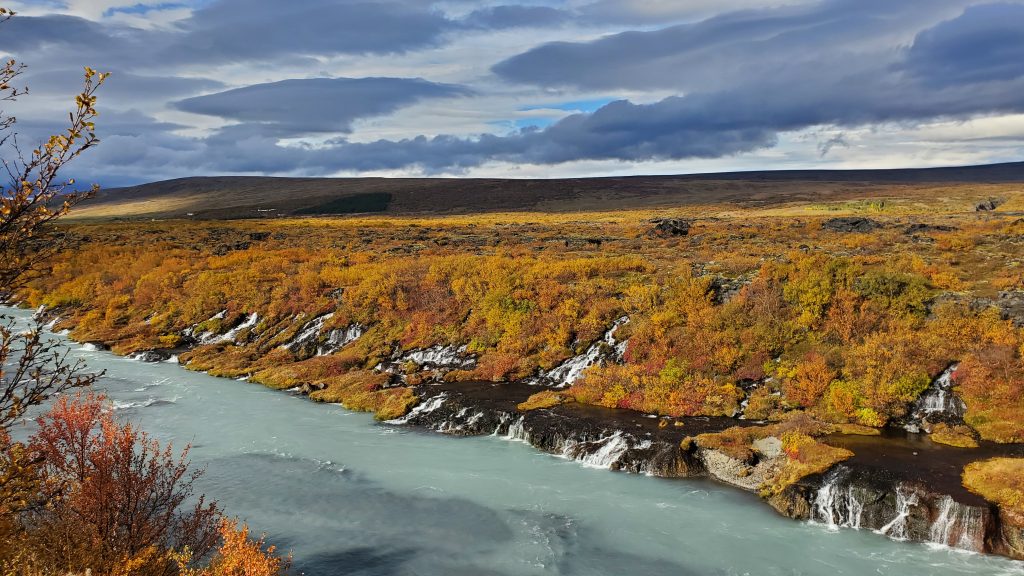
351 496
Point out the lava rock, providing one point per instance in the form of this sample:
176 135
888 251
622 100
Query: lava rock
152 356
925 228
850 224
989 205
670 227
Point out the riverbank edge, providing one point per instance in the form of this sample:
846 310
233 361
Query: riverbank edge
646 448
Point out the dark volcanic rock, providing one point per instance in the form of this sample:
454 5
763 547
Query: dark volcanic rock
1011 305
615 439
152 356
989 205
925 228
665 227
850 224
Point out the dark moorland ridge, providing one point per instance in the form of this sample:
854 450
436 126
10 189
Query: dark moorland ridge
230 197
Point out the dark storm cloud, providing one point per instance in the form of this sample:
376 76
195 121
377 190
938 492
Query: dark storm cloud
230 31
304 106
247 30
985 43
515 16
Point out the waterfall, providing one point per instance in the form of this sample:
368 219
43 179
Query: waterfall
957 525
229 336
601 453
339 338
568 372
939 398
517 430
440 356
836 504
422 408
897 528
307 333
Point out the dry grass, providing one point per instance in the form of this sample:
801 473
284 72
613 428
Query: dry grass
1000 480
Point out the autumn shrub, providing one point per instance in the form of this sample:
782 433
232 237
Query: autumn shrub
112 499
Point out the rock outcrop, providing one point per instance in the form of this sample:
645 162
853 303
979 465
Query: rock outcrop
667 227
850 224
989 205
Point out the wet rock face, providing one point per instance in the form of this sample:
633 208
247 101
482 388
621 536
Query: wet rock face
859 499
667 227
850 224
600 438
152 356
1011 538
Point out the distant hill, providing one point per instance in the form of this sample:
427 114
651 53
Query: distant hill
229 197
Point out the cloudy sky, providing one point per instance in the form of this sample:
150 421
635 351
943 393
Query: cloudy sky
525 89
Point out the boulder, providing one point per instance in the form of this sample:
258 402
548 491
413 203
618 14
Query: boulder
988 205
665 227
850 224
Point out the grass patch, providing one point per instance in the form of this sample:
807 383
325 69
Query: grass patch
958 436
1000 480
545 399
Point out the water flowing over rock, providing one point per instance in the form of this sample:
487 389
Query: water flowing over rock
958 526
421 409
339 338
839 503
191 333
434 362
864 500
153 356
305 341
939 403
607 349
230 335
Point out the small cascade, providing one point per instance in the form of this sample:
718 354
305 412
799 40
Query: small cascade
939 400
601 453
897 528
230 335
836 504
422 408
957 525
205 336
308 333
517 430
339 338
439 356
567 373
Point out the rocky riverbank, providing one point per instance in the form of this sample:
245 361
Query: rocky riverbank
901 485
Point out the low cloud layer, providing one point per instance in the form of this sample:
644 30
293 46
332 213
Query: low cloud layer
316 105
323 87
